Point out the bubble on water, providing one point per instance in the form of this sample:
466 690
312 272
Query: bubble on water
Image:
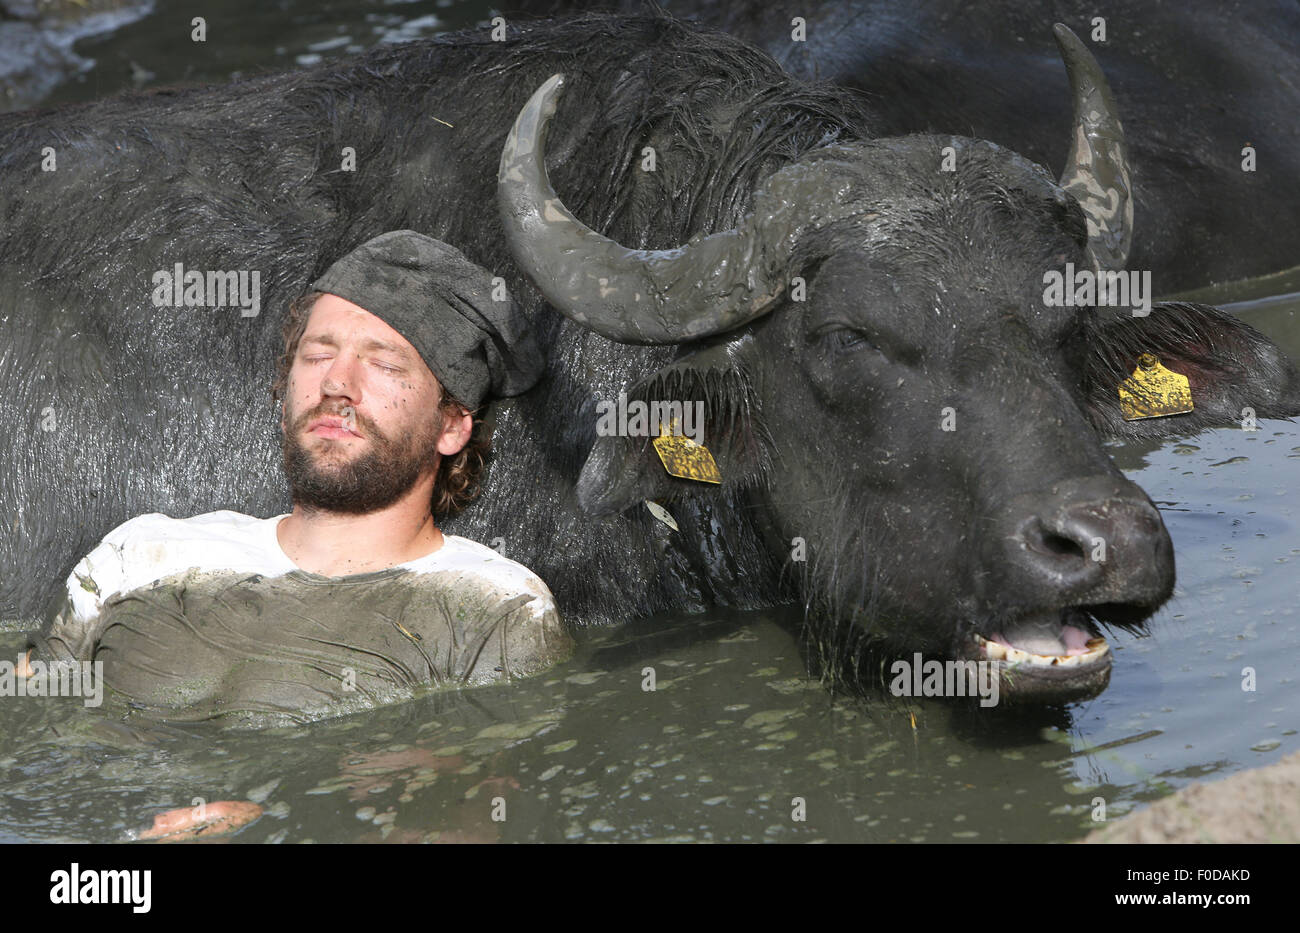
515 730
260 793
328 788
586 679
768 717
582 791
793 685
740 635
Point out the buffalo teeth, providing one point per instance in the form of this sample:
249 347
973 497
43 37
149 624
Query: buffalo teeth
1097 648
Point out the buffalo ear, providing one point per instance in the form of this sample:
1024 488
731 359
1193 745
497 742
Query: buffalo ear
620 472
1229 366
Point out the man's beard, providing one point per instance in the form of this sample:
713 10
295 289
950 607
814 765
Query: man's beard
366 483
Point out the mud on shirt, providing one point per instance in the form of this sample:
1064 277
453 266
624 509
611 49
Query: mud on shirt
207 616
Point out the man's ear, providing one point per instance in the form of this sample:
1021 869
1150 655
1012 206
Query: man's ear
1232 369
456 431
622 471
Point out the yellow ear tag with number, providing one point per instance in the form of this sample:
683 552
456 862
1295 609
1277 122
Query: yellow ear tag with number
1153 391
682 457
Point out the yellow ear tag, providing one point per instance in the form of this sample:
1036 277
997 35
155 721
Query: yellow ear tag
682 457
1153 391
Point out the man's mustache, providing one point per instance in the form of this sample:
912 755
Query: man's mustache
351 417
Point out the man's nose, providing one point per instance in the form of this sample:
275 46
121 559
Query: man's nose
341 377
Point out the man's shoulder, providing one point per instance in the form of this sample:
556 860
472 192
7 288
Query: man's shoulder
151 536
509 577
152 546
158 525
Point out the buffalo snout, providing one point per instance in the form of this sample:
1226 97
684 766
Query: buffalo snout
1085 542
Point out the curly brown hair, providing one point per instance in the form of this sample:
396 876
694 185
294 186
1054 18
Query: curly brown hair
460 475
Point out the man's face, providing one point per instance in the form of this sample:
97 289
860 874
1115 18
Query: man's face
361 420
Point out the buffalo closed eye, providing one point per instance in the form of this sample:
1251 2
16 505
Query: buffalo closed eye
844 340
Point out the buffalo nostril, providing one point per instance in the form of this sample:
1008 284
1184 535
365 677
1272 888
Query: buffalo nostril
1060 545
1055 556
1038 538
1087 540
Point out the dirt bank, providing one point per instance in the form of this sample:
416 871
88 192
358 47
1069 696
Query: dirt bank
1260 805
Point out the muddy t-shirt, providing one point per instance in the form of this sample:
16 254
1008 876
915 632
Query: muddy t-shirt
207 616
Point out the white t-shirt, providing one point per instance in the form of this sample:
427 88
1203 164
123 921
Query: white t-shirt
473 615
150 547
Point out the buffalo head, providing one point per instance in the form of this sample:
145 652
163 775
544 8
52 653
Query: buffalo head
881 371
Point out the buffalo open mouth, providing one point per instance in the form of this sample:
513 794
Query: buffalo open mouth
1057 656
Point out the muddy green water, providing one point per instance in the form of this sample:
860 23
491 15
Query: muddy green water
736 741
735 733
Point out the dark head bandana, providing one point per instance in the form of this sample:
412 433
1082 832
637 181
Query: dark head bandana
442 303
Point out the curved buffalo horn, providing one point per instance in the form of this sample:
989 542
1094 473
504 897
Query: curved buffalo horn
1096 171
712 284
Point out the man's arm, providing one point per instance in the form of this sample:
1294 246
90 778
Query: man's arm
68 633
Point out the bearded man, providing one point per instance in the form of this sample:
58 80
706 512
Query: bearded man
355 597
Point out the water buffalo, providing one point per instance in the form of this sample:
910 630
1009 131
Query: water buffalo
1197 83
909 439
